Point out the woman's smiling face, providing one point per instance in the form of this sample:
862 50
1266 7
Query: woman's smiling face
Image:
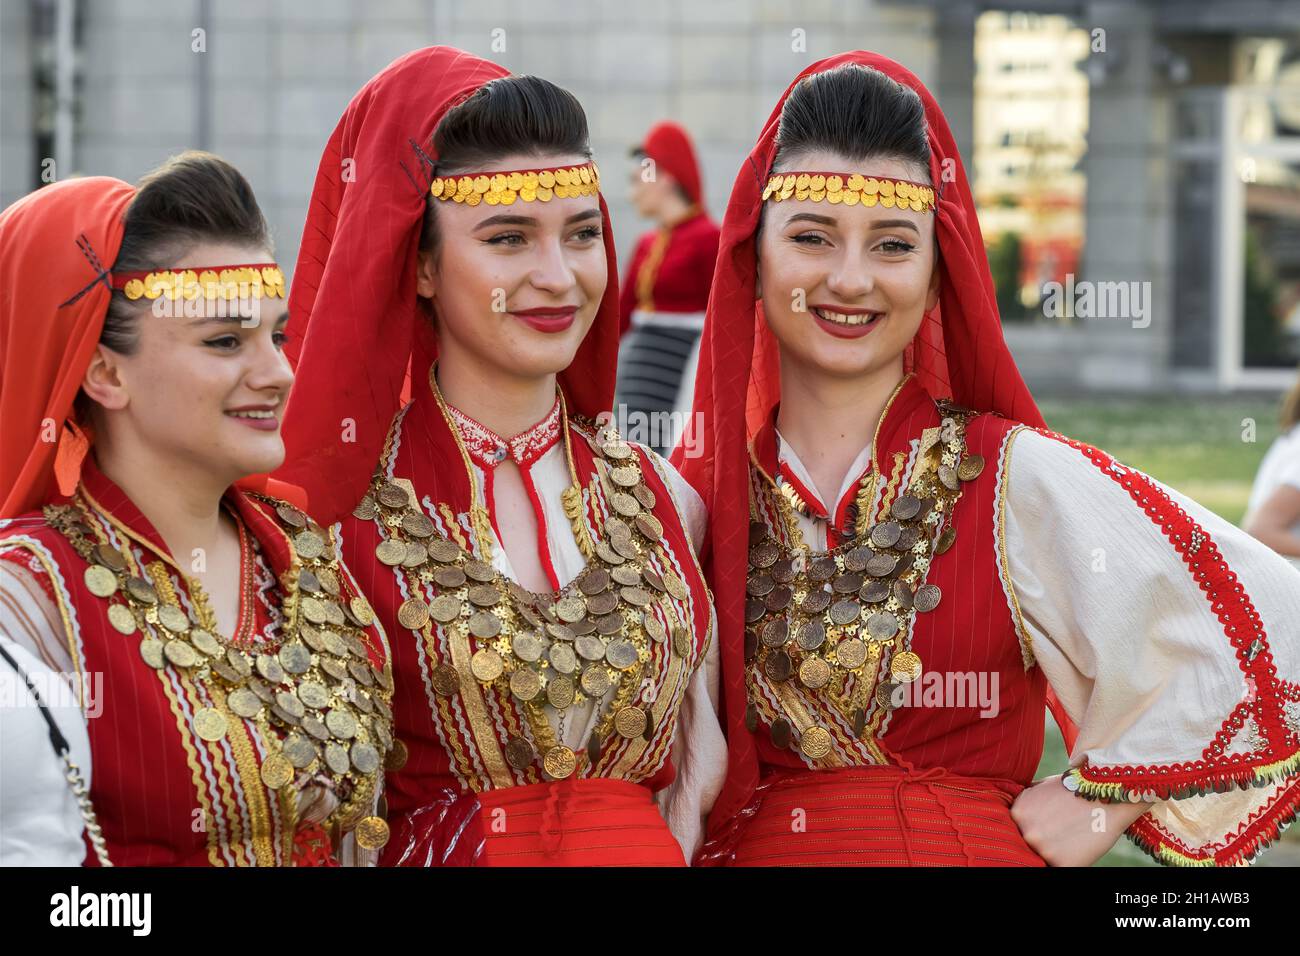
844 288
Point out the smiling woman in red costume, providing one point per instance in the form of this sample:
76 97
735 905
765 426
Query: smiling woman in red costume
920 558
235 691
552 633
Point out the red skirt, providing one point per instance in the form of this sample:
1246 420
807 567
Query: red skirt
881 816
584 822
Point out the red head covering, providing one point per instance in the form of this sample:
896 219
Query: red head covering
355 325
958 353
56 247
669 145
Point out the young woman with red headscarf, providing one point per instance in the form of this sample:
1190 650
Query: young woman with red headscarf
552 633
665 288
233 684
921 558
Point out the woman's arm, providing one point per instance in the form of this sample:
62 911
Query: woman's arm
1274 520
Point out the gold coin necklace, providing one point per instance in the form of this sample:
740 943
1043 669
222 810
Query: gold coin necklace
319 704
591 638
821 619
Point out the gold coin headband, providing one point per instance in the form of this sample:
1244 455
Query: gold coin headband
228 282
850 190
527 185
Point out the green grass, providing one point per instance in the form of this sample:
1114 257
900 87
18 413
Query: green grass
1198 446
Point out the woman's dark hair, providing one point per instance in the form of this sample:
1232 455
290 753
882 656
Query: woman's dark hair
855 111
192 198
513 114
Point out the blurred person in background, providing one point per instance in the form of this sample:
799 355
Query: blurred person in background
1273 513
666 285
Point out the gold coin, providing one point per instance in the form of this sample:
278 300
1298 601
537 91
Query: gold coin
446 680
244 703
443 551
205 642
365 757
560 762
337 758
625 476
180 653
637 597
595 682
628 575
656 629
365 509
299 751
413 614
100 581
927 597
416 555
328 580
589 648
526 645
445 608
417 524
479 571
814 673
571 609
525 684
341 724
650 526
486 665
295 658
948 477
109 557
675 585
882 625
851 653
617 450
484 595
313 694
371 833
971 467
391 552
173 618
313 609
559 692
308 544
120 616
269 667
288 702
141 590
276 771
393 496
630 722
291 515
448 578
885 695
151 649
209 724
815 743
562 658
361 608
520 753
484 625
905 667
625 504
621 654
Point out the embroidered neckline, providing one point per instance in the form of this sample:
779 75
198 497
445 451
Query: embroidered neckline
489 449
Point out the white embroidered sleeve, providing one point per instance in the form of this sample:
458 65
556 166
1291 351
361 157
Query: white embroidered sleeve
1171 637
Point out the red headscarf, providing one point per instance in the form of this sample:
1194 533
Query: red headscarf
958 353
355 324
56 247
669 145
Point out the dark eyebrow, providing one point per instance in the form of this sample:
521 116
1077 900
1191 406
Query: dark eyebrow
830 221
506 219
228 319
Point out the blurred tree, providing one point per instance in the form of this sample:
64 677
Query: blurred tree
1004 262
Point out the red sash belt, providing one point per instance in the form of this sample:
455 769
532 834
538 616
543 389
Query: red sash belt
584 822
878 816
